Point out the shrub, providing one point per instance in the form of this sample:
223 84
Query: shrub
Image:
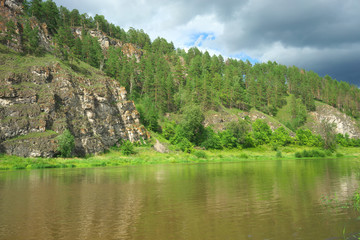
228 140
168 130
185 145
200 154
261 131
66 143
311 153
281 137
239 129
278 154
249 141
339 155
306 138
127 148
212 139
298 155
243 155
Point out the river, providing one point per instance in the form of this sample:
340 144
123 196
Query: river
283 199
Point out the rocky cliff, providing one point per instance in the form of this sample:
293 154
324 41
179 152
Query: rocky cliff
130 50
11 10
343 123
38 103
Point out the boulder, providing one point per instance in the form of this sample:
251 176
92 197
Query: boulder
161 148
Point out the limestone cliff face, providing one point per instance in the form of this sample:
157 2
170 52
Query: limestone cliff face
342 122
10 10
130 50
37 106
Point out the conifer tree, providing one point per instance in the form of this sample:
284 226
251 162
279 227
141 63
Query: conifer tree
51 15
30 39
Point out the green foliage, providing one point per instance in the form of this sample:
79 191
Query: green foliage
212 140
51 15
281 137
261 132
346 141
311 153
30 39
200 154
66 143
168 130
356 201
10 32
329 136
249 141
306 138
239 129
127 148
193 118
175 78
185 145
278 154
228 140
148 114
298 113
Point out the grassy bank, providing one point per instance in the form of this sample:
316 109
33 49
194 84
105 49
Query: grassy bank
147 155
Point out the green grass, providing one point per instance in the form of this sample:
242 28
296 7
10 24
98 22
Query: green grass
284 113
17 63
47 133
146 155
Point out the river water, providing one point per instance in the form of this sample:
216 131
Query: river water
292 199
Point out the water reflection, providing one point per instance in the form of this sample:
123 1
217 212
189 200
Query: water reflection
246 200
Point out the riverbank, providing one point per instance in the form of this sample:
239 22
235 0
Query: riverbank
147 155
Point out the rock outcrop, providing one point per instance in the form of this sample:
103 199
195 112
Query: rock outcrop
161 148
343 123
10 10
37 106
130 50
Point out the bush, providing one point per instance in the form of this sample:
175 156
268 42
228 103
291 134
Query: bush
298 155
228 140
261 131
249 141
185 145
281 137
311 153
306 138
127 148
66 143
168 130
278 154
149 115
239 129
212 139
192 123
243 155
200 154
339 155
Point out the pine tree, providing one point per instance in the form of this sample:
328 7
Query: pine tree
36 9
51 15
11 35
30 39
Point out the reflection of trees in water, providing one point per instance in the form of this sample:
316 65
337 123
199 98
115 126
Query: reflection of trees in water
261 199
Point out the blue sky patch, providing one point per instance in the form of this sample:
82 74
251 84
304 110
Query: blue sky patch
197 39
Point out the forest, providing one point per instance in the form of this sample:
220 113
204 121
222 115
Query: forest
169 80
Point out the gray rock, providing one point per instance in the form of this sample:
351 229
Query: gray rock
161 148
51 99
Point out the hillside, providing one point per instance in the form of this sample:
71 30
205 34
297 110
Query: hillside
44 97
64 70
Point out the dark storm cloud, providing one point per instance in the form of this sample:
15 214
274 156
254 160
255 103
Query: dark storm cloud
318 35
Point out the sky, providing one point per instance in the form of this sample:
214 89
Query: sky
318 35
